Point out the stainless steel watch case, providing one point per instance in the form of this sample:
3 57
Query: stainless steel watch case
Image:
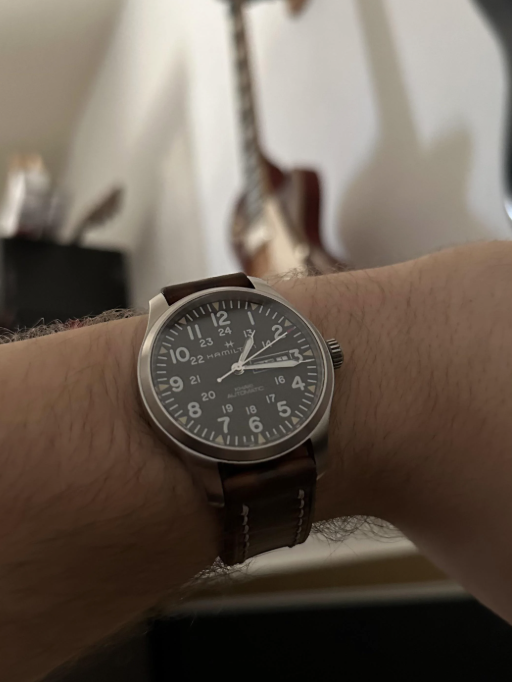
203 458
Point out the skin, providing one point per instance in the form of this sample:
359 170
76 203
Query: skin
98 518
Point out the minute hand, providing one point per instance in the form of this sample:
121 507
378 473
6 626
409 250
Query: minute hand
278 338
278 364
240 366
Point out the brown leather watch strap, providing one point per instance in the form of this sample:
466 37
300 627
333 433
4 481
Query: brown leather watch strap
178 291
268 506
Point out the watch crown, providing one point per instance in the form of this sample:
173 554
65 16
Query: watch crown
336 353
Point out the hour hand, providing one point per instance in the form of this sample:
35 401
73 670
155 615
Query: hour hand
247 349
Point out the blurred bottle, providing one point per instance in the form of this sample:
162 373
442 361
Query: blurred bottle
31 206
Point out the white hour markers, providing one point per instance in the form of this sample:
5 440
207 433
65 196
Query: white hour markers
237 372
196 329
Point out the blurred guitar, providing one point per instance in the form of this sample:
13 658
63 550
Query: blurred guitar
276 226
296 6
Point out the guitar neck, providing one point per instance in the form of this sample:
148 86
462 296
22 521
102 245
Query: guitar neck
254 168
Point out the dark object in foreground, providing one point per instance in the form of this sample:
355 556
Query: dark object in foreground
499 14
455 639
399 639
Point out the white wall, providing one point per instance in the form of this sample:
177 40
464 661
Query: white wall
398 104
50 51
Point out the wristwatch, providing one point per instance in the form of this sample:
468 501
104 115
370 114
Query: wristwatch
240 385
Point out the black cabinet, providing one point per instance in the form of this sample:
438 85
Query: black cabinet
43 281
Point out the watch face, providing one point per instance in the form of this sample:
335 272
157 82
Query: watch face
237 370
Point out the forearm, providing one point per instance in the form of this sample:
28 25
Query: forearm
97 522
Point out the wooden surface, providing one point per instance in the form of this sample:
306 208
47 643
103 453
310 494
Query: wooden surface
386 571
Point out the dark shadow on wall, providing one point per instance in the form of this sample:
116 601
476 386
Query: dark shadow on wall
408 199
499 15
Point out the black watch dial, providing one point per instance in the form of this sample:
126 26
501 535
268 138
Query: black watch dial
238 373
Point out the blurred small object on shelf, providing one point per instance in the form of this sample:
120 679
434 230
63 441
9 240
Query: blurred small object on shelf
104 211
32 206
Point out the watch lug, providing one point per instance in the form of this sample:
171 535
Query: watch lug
265 288
320 442
206 474
157 307
320 436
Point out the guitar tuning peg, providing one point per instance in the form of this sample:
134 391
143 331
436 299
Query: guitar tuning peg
294 6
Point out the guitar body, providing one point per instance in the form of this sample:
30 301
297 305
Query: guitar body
286 236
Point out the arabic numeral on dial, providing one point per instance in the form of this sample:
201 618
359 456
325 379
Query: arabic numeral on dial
181 355
206 342
223 332
251 409
278 331
176 384
227 409
271 398
298 383
284 410
195 379
210 395
198 360
295 355
194 410
225 422
280 379
255 425
220 319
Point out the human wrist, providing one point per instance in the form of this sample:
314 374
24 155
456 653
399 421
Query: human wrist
364 311
424 389
178 500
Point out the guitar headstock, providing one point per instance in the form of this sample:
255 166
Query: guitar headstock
294 6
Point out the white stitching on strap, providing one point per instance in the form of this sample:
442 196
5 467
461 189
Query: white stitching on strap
245 529
302 504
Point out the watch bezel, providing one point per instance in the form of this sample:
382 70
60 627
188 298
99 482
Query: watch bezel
180 437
